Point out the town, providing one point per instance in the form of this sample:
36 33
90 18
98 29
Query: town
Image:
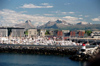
19 35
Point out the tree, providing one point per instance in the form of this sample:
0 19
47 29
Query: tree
47 32
88 32
26 33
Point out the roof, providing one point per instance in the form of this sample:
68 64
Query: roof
3 27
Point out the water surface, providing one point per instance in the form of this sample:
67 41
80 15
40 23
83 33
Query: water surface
7 59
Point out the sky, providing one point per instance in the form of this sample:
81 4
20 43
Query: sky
41 11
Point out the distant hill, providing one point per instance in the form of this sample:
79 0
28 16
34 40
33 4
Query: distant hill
60 24
83 27
25 25
55 24
83 23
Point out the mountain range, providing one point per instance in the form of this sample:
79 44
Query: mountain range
55 24
61 24
26 25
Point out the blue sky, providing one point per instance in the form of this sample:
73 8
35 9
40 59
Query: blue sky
41 11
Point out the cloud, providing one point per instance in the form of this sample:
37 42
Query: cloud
80 15
81 18
48 14
62 13
86 16
71 12
43 5
12 17
67 3
96 19
70 18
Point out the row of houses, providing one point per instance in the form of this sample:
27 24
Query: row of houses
56 33
20 32
63 33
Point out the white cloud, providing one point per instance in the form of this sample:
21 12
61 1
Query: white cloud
64 13
58 12
96 19
81 18
11 17
80 15
48 14
73 20
70 18
71 12
43 5
86 16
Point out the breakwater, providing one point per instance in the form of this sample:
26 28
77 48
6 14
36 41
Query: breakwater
39 49
48 50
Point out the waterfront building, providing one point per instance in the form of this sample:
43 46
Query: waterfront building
32 32
51 32
78 33
81 33
42 32
95 34
16 32
72 33
66 32
3 32
11 31
59 33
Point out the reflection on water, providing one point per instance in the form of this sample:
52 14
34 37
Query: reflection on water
36 60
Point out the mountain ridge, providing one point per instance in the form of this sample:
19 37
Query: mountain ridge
26 25
61 24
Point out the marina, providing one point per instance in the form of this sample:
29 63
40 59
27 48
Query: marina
49 33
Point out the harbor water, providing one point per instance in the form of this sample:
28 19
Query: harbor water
11 59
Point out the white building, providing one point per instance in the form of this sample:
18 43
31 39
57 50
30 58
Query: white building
42 32
17 32
95 34
32 32
11 31
3 32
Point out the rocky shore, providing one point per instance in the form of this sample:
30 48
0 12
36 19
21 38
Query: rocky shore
85 57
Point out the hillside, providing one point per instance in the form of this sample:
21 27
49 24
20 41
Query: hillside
55 24
59 24
82 27
25 25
